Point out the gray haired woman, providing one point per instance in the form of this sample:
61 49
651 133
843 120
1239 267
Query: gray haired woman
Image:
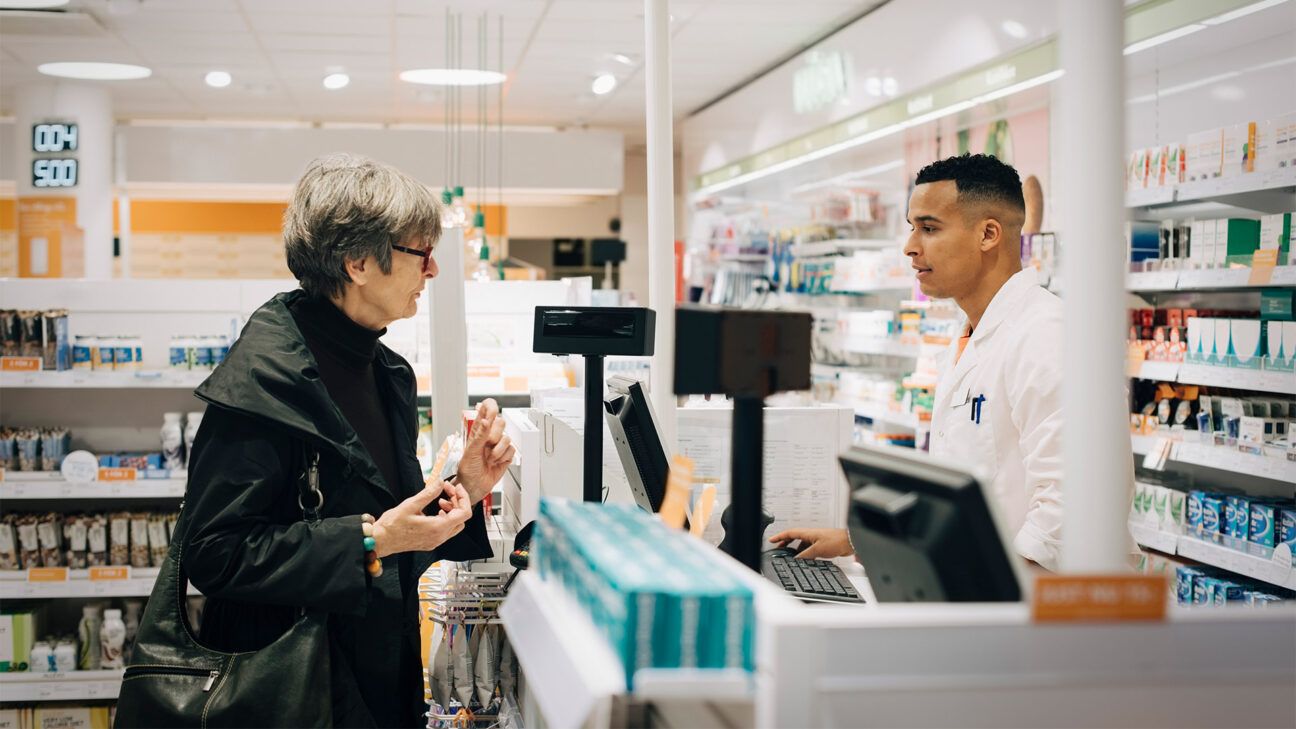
310 368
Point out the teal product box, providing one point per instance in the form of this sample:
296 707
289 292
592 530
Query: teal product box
1237 515
1263 517
1287 529
1213 518
1227 592
1195 499
1184 577
1262 599
1204 590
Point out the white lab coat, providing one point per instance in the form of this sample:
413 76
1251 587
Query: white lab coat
1014 360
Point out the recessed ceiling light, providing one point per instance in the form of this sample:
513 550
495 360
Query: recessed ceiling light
1014 29
32 4
452 77
218 79
623 58
92 71
335 81
603 84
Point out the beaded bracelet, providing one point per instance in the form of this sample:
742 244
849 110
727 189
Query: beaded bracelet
373 565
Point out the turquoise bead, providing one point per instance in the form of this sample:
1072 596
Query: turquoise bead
369 544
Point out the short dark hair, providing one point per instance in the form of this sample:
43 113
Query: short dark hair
979 178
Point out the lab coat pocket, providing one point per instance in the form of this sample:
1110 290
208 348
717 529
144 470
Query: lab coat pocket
970 438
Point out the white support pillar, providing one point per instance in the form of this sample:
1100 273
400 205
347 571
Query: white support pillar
90 108
1090 203
661 214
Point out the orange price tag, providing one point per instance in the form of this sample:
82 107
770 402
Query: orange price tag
21 364
117 474
106 574
1094 598
47 574
1262 266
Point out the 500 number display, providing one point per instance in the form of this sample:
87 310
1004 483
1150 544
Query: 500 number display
54 173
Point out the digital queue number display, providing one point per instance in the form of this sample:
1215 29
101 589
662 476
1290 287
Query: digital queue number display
54 138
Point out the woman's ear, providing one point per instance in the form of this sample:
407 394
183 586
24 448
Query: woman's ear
358 271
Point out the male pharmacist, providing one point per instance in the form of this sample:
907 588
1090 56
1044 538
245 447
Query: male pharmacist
998 405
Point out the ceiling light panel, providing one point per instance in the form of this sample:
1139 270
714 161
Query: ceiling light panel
95 71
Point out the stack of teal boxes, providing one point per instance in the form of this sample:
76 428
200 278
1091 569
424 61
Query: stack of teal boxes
662 597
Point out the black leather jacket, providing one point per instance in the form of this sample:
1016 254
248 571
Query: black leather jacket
257 562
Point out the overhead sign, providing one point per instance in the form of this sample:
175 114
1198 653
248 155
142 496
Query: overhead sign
824 80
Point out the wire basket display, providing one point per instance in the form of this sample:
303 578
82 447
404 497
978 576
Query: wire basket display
465 593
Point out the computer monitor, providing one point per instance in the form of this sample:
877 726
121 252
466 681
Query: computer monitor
924 531
634 431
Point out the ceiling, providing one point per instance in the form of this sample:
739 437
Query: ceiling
278 52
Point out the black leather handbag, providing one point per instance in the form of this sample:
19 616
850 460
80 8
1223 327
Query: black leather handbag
173 681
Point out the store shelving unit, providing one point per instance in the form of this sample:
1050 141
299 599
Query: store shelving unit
1274 570
58 582
1207 279
48 486
1272 466
1267 381
1264 191
879 414
885 346
69 686
89 379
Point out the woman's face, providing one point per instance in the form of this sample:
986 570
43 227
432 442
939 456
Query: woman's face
392 296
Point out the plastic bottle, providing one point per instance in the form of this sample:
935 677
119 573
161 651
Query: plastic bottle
192 421
42 658
65 656
112 640
134 608
173 441
88 633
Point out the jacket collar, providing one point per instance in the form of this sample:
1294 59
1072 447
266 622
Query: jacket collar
1007 300
271 375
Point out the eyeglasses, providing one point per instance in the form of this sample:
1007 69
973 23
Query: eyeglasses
424 253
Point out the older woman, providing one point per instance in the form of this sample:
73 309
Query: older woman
309 371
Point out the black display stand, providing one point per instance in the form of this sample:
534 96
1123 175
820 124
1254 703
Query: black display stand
746 479
593 479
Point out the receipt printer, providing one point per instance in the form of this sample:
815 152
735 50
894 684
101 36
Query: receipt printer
625 331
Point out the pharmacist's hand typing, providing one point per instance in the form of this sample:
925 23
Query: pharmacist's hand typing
816 543
406 528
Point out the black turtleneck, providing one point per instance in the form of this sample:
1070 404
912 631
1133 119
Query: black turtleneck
345 352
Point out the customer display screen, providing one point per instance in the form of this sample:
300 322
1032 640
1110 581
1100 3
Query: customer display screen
603 325
54 173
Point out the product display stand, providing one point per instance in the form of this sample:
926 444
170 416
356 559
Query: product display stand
593 454
747 477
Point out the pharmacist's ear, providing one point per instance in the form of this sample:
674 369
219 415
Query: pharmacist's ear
357 270
992 234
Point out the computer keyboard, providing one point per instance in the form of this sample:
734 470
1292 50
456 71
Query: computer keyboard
812 580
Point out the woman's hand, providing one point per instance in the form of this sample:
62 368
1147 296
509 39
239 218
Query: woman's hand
406 529
487 452
817 543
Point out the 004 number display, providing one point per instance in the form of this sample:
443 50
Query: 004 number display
54 173
54 137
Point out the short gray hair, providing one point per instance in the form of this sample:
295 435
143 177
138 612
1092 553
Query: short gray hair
346 207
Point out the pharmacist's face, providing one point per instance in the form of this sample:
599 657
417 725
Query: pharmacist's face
944 247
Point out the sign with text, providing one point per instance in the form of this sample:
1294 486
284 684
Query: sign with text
1099 598
21 364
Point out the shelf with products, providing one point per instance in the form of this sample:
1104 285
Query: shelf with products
1273 464
90 379
1270 190
1275 569
1208 279
61 582
1278 382
51 485
62 686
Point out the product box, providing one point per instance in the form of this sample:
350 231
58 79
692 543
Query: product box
1289 344
1237 518
1248 343
1275 233
1228 592
1263 517
1176 516
1239 143
1276 143
1195 502
1221 352
1174 165
1287 529
1205 155
1140 168
1240 237
71 717
1214 519
1204 589
1184 577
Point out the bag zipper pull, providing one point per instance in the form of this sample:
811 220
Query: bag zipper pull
211 681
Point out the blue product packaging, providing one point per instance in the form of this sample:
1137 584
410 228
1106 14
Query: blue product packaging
202 354
1204 590
1213 518
1195 499
1263 516
179 356
1184 577
1287 529
1227 592
1238 512
81 354
1261 599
